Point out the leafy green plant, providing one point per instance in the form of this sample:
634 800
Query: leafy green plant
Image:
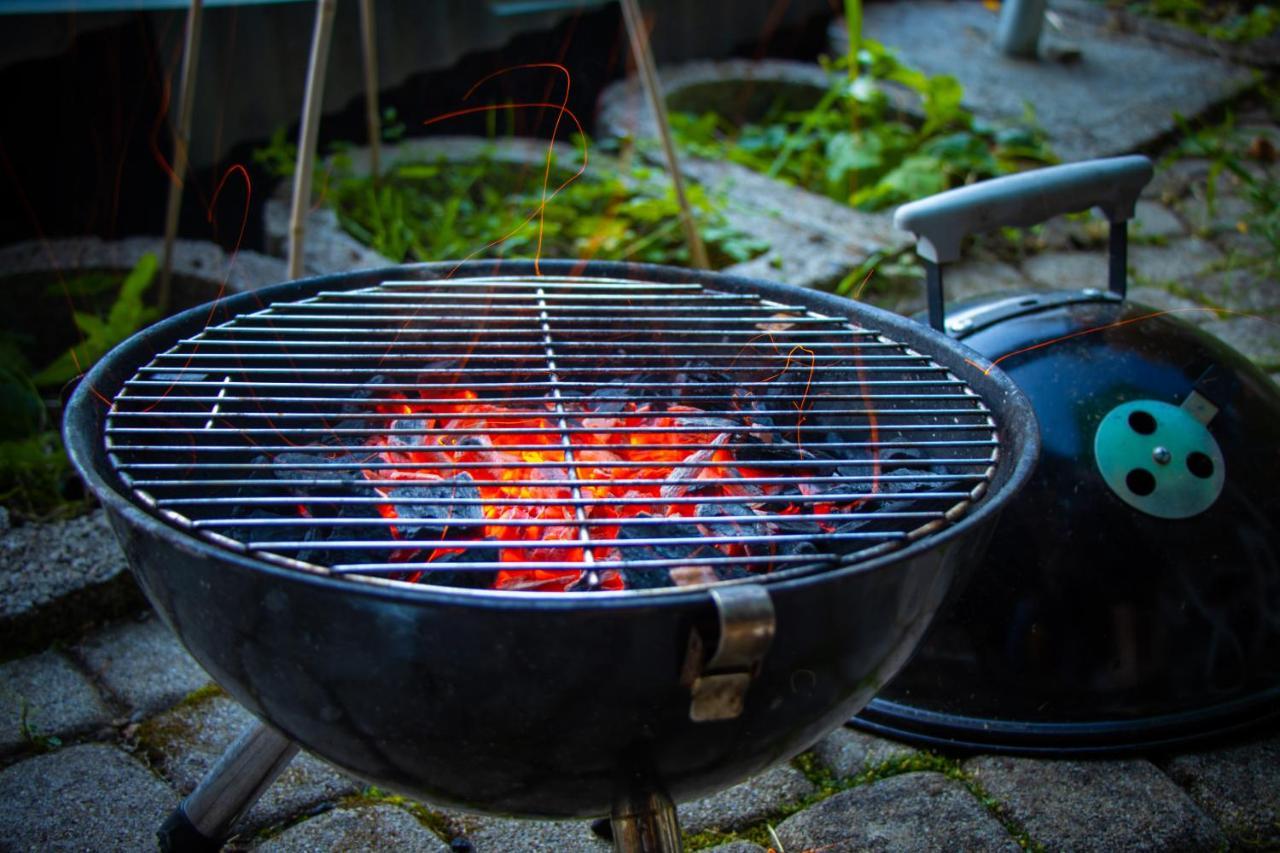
433 210
278 156
34 470
126 315
857 148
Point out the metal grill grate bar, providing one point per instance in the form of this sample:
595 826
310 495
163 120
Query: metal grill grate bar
611 501
635 411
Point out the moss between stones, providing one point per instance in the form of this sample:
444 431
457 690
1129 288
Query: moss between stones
199 695
828 784
435 822
153 734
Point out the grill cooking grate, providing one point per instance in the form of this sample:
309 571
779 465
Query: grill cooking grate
256 432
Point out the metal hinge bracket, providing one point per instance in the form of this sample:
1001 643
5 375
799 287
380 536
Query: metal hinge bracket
719 687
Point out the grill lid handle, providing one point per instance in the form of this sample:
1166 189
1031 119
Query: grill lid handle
941 222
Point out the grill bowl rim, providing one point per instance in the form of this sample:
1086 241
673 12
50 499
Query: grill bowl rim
1009 406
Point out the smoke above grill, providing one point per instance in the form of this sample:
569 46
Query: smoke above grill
551 434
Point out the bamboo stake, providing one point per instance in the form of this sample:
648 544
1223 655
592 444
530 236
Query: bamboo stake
643 55
369 37
181 142
311 101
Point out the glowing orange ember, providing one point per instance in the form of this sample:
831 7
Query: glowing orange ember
489 443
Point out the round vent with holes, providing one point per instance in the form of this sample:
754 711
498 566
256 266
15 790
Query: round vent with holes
1131 595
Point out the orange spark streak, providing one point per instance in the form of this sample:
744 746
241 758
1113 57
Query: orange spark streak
562 109
1112 325
540 209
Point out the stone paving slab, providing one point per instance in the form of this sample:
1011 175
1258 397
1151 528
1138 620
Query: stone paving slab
1120 95
55 578
747 803
848 752
1258 338
1242 288
499 835
380 827
1096 805
183 744
1179 261
910 812
1187 310
969 279
46 696
88 797
142 664
1223 216
731 809
1067 270
1239 786
1174 180
1152 220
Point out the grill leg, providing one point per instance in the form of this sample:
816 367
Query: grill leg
248 767
645 822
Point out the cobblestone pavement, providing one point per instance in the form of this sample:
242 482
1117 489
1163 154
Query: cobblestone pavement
102 735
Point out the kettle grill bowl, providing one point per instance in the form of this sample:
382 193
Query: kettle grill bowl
536 704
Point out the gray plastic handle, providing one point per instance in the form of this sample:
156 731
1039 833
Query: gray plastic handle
941 222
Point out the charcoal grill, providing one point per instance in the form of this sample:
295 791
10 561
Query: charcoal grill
222 443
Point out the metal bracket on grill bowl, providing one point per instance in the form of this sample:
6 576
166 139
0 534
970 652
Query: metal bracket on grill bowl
719 687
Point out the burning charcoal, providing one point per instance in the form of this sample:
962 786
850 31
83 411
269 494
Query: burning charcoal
651 578
262 532
317 465
457 574
899 458
797 524
364 392
703 423
752 449
406 439
610 399
443 501
704 377
692 467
